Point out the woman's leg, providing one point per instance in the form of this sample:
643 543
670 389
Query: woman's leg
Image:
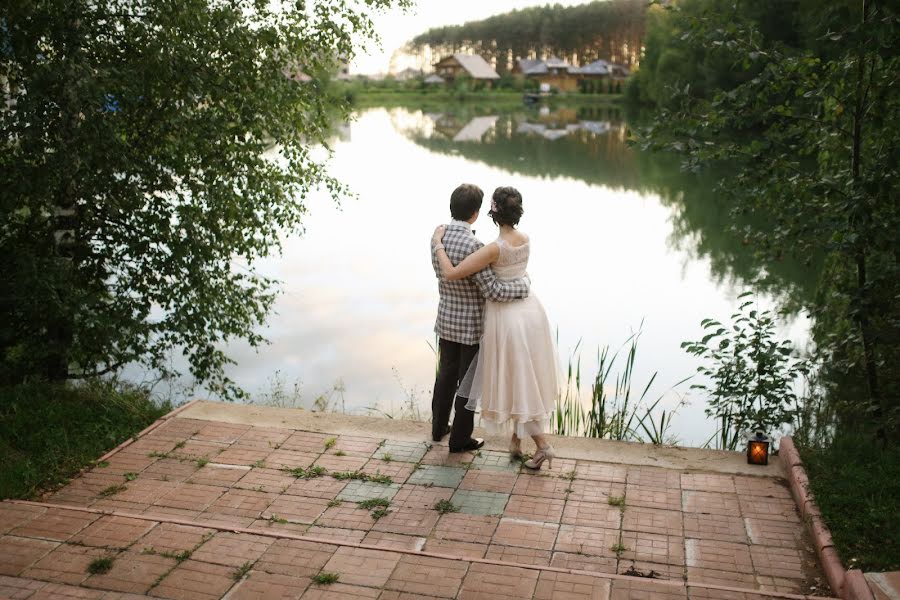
540 441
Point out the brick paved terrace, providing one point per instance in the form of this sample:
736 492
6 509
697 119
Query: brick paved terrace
223 501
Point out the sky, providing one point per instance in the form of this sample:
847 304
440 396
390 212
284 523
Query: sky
396 27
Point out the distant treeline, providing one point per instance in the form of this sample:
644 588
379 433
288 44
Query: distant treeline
611 30
669 61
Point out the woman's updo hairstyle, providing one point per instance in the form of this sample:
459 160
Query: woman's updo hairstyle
506 206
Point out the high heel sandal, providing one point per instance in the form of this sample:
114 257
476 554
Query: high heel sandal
543 454
515 449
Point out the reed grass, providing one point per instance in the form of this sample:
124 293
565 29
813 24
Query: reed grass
618 414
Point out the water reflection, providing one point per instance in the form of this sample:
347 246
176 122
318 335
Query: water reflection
619 237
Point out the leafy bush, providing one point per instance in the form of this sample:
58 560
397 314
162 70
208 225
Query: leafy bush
751 374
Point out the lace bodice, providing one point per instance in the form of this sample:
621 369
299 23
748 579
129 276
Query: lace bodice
513 260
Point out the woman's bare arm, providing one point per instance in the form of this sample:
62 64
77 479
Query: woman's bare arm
475 262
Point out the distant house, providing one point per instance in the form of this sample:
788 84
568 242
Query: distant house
600 69
434 79
407 74
472 65
552 72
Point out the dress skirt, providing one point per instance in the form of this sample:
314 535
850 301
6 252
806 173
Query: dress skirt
515 379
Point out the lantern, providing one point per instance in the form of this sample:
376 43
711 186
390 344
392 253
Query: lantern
758 449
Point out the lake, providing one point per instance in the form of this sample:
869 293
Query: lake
621 240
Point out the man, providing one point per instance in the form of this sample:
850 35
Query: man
460 319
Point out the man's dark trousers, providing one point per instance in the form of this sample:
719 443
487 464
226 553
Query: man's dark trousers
454 363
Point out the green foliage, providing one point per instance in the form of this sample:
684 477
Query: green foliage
310 473
99 566
809 120
751 374
374 503
856 485
78 423
111 490
617 415
193 159
324 578
445 506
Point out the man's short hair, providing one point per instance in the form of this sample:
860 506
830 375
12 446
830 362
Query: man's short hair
465 201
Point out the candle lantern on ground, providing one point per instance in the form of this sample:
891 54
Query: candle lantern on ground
758 449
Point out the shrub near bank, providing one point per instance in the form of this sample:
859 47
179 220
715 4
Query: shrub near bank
48 432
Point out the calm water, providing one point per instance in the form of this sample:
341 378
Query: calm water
619 238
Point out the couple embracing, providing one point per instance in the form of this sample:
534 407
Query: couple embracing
497 352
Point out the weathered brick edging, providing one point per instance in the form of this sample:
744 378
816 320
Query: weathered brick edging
849 585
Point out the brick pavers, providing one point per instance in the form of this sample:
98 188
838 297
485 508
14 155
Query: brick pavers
233 549
195 580
358 566
522 556
562 586
295 558
533 508
132 572
495 582
437 475
479 503
296 509
408 521
420 496
526 534
647 525
487 460
65 564
56 524
409 452
358 491
20 553
587 540
259 585
427 576
113 532
489 481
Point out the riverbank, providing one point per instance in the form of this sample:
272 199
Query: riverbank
48 433
856 484
383 97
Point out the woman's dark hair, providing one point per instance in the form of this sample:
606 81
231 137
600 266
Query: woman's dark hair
465 201
507 206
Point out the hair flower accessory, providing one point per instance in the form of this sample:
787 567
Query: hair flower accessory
494 206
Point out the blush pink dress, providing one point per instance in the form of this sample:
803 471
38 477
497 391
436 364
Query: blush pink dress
515 379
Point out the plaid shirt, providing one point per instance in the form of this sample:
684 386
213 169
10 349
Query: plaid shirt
460 315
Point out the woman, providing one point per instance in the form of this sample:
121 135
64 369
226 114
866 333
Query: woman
515 379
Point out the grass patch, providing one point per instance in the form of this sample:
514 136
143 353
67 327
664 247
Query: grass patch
330 442
856 484
177 556
360 476
310 473
326 578
373 503
616 501
130 476
340 453
387 457
277 519
333 503
242 570
618 548
380 512
445 506
99 566
202 462
49 432
112 490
